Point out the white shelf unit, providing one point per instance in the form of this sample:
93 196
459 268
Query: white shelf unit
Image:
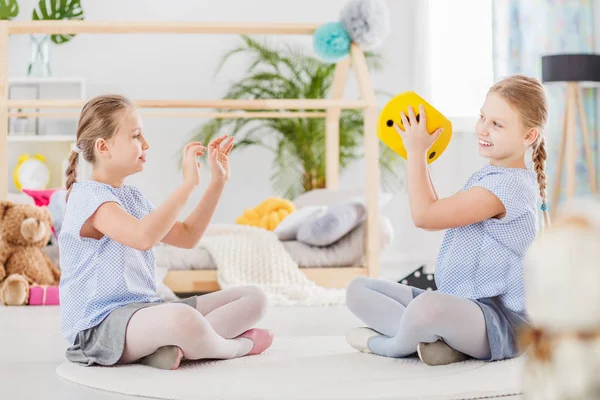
32 137
47 80
51 137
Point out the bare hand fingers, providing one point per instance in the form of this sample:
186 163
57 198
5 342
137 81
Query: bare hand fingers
228 149
411 116
190 144
422 116
195 151
217 141
404 120
399 131
193 145
228 142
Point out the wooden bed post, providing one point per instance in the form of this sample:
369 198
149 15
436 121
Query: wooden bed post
371 159
3 110
332 126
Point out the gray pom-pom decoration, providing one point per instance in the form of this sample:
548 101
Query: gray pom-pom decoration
367 22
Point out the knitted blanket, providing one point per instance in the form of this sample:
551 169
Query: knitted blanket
247 255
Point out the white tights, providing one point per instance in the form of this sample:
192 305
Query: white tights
210 331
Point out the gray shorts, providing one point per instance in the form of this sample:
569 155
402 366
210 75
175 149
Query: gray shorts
104 343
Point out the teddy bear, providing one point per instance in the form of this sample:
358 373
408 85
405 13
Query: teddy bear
24 231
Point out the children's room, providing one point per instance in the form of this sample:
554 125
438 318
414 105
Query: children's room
342 199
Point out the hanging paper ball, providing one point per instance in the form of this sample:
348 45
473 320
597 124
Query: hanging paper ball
331 42
367 22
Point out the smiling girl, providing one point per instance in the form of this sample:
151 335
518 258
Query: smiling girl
480 301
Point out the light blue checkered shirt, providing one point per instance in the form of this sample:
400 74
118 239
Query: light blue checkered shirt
100 275
485 259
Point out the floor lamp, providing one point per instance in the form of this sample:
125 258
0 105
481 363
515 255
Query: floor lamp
577 71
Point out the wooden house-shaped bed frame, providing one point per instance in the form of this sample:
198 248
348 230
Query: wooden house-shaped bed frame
206 280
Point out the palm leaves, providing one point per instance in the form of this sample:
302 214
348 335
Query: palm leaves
9 9
56 10
297 143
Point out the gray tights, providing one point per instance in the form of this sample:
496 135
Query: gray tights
390 309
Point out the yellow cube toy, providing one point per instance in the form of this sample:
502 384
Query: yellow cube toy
435 119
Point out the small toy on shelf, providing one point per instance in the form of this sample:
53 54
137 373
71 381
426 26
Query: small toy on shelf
31 172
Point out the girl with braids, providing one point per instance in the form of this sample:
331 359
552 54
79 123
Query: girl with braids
109 310
480 301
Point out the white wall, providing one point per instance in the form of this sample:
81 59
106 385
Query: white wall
182 67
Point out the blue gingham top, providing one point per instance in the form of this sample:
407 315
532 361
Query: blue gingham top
485 259
100 275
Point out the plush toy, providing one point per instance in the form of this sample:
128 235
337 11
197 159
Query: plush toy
24 231
267 214
390 116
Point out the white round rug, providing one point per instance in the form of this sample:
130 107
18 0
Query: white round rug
322 367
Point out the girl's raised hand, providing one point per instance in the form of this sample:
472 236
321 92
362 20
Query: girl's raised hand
219 150
415 137
190 165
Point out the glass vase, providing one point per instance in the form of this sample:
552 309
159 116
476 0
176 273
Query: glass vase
39 65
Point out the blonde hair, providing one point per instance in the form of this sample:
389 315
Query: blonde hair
98 120
528 96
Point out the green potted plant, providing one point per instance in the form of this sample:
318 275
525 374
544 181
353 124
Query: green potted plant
298 144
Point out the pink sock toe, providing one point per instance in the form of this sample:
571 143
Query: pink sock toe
262 339
179 358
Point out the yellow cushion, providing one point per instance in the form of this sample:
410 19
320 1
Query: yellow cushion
391 113
267 214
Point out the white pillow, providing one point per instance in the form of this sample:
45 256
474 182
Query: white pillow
288 228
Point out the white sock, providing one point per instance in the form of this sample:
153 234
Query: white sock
359 338
246 346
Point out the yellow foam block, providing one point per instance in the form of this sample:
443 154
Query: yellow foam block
435 119
267 214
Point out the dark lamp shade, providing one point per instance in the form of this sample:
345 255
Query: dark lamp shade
571 68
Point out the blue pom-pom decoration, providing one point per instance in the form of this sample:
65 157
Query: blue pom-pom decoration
331 42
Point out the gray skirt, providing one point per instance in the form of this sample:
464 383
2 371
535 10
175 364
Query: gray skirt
502 326
104 343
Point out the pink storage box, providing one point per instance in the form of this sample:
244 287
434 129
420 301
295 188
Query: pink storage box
43 295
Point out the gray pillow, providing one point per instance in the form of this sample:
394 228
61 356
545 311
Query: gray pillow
326 229
288 228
